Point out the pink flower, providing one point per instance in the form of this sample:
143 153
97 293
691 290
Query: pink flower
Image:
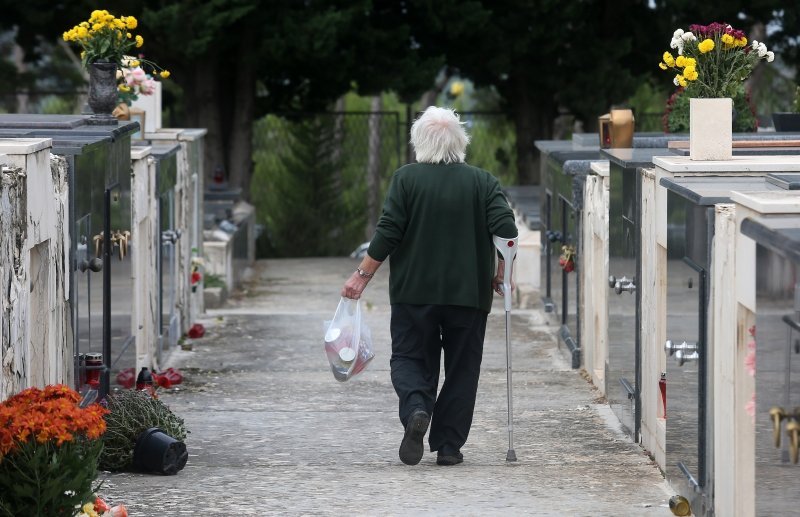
138 74
119 511
147 87
750 407
750 362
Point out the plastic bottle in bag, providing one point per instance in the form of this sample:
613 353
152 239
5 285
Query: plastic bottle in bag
348 344
340 354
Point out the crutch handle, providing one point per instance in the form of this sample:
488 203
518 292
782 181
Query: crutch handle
508 250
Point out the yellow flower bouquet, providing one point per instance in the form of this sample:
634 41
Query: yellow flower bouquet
104 38
712 60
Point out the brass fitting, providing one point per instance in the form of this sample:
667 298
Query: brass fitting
679 506
98 242
793 430
777 414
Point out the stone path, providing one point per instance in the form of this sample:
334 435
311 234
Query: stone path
272 433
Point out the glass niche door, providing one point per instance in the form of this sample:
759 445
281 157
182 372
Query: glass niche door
167 271
775 344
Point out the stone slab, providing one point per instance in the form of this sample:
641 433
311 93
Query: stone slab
737 164
24 145
600 167
139 152
769 202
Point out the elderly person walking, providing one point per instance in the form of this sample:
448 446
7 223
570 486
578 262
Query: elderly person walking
437 225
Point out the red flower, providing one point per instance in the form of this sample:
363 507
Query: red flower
196 277
101 505
197 331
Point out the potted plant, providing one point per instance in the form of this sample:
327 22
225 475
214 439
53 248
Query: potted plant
676 114
789 121
711 63
49 449
142 433
105 41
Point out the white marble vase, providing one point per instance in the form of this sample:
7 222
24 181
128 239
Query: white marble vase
710 129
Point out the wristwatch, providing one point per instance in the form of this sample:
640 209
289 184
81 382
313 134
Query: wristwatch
364 274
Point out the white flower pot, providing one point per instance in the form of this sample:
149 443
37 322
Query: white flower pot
710 129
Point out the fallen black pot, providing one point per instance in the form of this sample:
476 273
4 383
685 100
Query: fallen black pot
156 451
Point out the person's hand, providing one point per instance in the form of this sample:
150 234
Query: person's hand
497 285
497 281
354 286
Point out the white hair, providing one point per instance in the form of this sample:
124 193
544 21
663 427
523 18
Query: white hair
438 136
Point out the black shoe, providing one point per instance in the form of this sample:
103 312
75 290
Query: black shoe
411 447
449 459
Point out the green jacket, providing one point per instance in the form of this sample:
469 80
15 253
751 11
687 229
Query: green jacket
437 225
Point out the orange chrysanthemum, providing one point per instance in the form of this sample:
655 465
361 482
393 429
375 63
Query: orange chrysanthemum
47 415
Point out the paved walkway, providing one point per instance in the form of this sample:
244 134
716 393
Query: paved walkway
272 433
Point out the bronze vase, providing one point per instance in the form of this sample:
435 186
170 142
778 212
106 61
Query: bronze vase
103 90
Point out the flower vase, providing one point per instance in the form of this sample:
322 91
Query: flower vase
710 129
103 92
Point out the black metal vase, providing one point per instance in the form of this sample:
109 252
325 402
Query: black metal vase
103 91
786 122
156 451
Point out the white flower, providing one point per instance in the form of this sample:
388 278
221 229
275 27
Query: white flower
755 45
675 81
762 50
677 34
678 44
770 57
688 36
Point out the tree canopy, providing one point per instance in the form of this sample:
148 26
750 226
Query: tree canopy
235 60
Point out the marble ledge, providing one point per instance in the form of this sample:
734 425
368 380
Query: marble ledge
779 163
600 167
164 134
769 202
24 145
140 152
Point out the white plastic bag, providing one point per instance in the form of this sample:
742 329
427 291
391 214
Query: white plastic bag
348 343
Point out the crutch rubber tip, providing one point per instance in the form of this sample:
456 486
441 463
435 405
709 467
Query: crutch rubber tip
511 455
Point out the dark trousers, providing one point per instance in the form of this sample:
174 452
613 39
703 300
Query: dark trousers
419 334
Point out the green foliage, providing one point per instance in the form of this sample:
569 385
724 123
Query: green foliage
211 280
677 114
48 480
493 146
53 105
647 103
796 103
132 412
309 175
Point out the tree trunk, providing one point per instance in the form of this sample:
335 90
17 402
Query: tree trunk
532 122
240 136
18 56
374 167
757 80
201 109
82 98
